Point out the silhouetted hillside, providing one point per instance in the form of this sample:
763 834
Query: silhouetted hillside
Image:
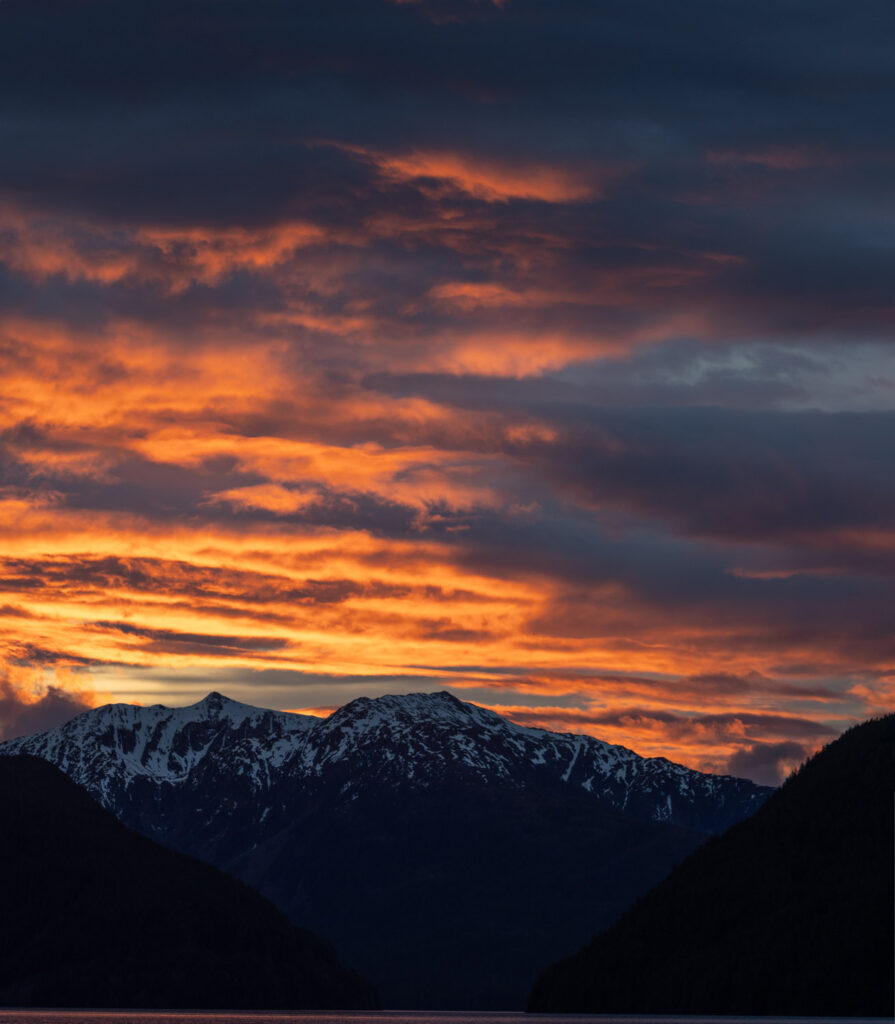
789 912
92 914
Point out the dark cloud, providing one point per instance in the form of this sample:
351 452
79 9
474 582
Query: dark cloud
444 629
742 135
207 644
677 374
22 715
735 474
768 763
183 579
679 726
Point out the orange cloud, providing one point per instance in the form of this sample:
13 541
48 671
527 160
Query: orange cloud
39 246
704 741
323 711
209 254
269 497
230 489
32 700
483 178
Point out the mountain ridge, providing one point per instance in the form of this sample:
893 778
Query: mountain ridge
165 745
441 848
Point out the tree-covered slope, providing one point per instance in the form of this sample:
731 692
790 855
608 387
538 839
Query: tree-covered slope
92 914
446 851
789 912
453 897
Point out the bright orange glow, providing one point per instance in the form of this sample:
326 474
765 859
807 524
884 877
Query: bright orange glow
320 712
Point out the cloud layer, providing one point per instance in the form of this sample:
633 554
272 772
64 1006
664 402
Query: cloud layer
541 351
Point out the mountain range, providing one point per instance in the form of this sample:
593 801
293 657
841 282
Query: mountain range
446 852
788 913
92 914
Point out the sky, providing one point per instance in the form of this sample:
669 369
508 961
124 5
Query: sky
541 352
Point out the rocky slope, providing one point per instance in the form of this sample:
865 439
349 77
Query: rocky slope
789 913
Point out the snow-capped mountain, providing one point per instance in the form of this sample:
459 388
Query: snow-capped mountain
107 749
447 852
414 740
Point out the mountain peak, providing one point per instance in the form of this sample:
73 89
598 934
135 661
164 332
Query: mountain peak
441 706
215 699
217 705
439 696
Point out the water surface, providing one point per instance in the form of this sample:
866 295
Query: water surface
379 1017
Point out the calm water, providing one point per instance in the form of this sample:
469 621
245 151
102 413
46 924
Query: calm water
383 1017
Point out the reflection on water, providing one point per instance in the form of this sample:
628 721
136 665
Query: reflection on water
382 1017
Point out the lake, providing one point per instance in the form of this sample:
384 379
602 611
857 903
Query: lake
381 1017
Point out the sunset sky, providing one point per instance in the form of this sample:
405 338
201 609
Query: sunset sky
540 351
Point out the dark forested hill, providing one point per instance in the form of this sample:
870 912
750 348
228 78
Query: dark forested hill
92 914
789 912
455 896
